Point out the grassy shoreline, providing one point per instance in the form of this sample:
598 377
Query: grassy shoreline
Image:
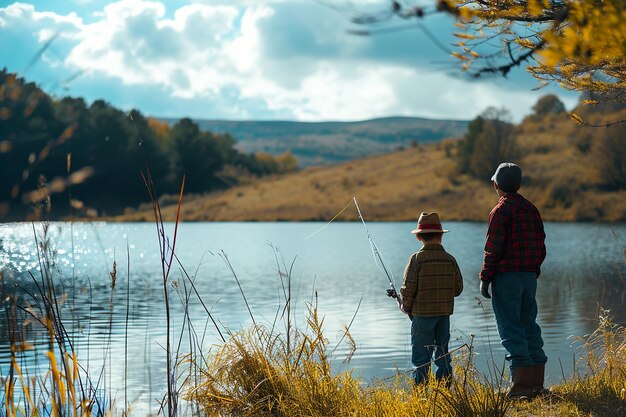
256 374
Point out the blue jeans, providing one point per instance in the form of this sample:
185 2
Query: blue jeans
515 308
430 335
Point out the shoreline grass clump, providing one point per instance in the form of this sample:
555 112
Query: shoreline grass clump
601 389
256 372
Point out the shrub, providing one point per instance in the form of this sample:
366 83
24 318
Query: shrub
609 152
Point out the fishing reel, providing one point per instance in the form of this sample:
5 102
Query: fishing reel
391 292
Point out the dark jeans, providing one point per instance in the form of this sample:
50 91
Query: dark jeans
430 335
515 308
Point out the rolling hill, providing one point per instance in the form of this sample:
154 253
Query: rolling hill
560 177
326 143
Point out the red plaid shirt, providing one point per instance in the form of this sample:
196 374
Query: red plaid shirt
515 238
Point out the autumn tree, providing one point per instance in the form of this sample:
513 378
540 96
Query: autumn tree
465 147
609 154
495 144
195 155
287 162
548 104
579 44
161 130
76 155
490 140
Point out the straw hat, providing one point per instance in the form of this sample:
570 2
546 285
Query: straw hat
429 223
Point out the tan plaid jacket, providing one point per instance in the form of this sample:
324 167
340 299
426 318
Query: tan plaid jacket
432 279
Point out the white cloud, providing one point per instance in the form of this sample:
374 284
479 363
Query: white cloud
22 16
245 50
295 57
204 49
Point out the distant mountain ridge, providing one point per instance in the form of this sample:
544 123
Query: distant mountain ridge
325 143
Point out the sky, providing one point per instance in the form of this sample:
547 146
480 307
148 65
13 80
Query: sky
250 60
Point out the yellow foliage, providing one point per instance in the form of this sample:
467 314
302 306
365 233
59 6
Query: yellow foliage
161 129
576 118
464 36
526 43
264 157
534 7
571 40
459 56
287 162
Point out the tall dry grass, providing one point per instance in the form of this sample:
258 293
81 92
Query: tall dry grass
256 373
280 369
599 386
63 385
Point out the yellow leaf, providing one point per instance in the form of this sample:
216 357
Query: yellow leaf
534 7
464 36
576 118
459 56
526 43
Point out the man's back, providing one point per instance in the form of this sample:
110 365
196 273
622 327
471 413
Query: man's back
515 238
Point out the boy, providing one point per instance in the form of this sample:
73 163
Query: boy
431 281
514 252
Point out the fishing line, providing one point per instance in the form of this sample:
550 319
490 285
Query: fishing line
378 259
331 220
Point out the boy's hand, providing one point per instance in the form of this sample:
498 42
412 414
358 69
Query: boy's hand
484 288
406 311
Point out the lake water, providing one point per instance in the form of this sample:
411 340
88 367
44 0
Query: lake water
584 271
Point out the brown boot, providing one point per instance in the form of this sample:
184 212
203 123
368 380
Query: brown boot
522 377
538 374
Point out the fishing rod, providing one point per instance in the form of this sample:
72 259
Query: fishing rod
391 292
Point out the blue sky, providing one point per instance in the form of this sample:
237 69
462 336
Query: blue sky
249 60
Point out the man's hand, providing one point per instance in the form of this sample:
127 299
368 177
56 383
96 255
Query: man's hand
484 288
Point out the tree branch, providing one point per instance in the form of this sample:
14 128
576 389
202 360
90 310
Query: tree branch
504 69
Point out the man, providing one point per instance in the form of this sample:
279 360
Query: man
514 252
